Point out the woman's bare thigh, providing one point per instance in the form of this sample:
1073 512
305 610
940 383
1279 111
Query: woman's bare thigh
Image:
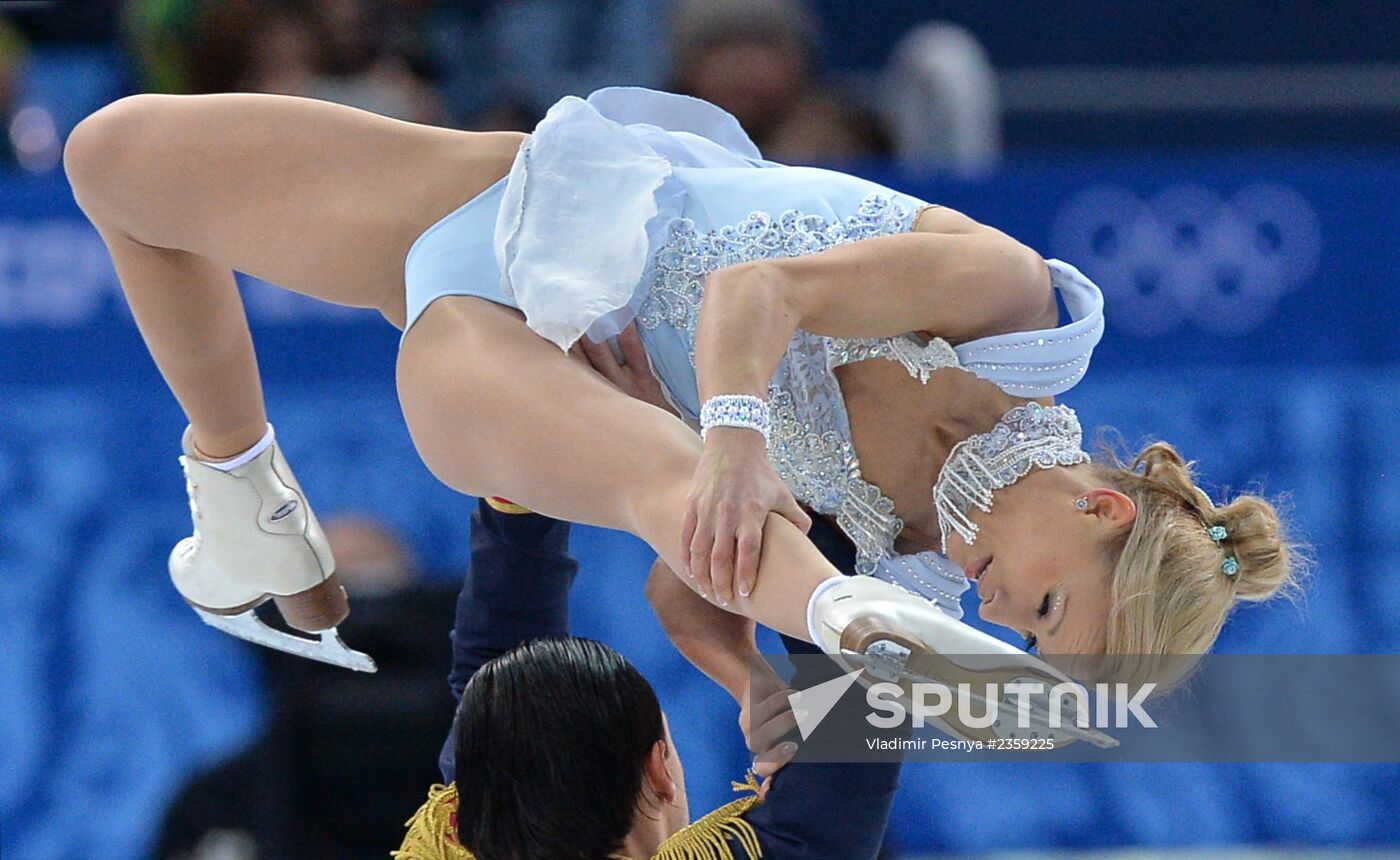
495 409
312 196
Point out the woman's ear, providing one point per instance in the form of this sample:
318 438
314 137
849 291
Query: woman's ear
1110 506
657 774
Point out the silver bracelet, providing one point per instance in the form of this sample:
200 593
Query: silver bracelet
735 410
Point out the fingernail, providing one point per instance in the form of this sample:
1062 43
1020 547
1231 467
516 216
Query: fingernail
788 748
744 590
722 601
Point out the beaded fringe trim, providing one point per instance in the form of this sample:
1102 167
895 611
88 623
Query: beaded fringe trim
1027 437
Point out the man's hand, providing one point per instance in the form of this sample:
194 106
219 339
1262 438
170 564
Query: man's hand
632 374
768 723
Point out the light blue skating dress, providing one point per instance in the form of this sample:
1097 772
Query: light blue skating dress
616 209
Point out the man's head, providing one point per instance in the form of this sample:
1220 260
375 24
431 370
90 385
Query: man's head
562 750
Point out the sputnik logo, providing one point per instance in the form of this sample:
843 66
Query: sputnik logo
810 706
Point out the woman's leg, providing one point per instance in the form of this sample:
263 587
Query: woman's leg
496 410
315 197
326 200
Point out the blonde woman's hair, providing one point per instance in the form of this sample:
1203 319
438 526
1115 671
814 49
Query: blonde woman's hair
1170 592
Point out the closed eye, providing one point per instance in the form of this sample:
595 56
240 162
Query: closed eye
1043 611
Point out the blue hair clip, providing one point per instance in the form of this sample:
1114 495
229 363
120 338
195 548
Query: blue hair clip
1218 534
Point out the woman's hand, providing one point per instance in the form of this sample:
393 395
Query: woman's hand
632 374
733 490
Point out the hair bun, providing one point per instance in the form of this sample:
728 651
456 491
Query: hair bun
1173 583
1159 457
1257 542
1163 466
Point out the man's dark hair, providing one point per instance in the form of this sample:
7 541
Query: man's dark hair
552 738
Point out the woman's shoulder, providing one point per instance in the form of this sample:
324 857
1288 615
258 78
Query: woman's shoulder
936 218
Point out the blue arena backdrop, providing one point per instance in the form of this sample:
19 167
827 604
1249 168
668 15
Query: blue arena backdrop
1251 309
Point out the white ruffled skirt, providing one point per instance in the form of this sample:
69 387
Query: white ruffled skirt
590 197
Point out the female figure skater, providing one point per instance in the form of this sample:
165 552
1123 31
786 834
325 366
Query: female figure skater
881 361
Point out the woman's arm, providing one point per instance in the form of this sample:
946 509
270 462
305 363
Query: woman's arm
966 283
956 279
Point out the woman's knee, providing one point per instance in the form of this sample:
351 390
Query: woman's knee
101 152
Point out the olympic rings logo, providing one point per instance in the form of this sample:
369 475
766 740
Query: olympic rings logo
1190 253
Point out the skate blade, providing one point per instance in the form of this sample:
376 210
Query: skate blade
1037 718
328 648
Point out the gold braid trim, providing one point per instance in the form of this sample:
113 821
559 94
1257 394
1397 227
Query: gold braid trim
432 834
708 838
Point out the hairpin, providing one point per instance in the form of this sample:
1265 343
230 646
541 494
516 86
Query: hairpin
1219 534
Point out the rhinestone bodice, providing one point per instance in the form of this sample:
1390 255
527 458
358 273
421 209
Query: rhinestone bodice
1027 437
810 437
620 205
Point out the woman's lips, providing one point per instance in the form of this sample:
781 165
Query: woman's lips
978 567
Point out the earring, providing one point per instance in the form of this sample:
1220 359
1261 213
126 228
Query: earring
1082 503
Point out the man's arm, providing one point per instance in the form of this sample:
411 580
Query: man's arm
716 642
516 589
819 811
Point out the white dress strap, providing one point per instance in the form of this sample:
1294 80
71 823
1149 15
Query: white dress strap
1048 362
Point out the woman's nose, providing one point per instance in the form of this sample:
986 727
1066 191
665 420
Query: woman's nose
999 607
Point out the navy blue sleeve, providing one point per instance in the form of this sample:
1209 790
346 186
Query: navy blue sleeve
819 811
516 589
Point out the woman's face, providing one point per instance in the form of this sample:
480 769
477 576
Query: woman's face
1039 561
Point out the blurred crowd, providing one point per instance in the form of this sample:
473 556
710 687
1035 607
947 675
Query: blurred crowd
934 83
485 64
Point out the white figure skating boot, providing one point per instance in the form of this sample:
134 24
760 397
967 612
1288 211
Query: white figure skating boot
904 639
255 538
